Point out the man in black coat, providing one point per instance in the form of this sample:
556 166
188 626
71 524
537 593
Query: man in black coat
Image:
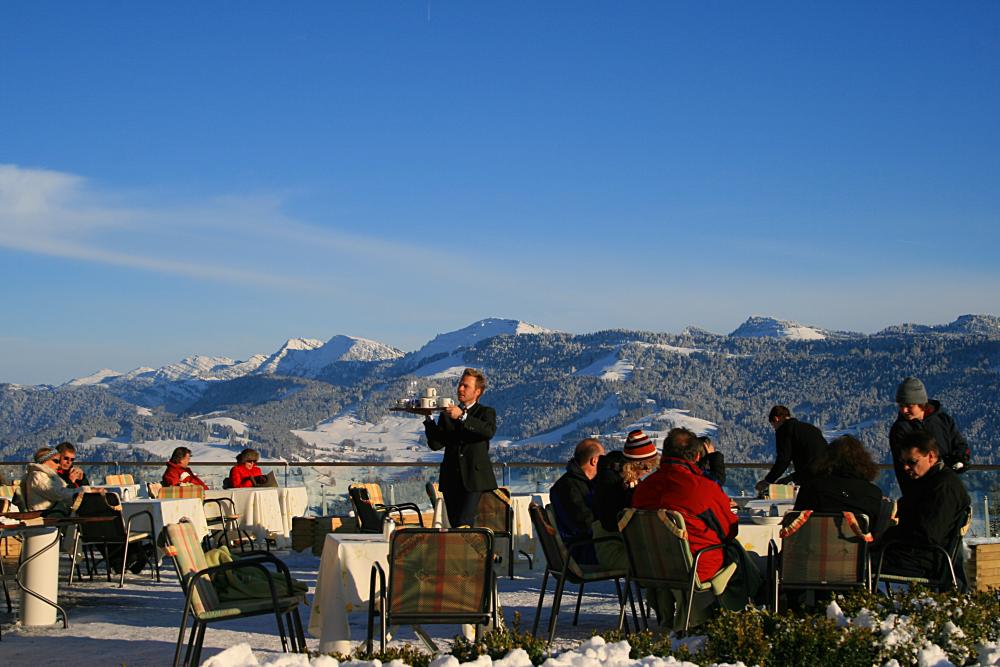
933 507
572 497
464 432
795 442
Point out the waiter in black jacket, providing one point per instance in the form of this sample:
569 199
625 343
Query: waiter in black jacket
795 442
464 432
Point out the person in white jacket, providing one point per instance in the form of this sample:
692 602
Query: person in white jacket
42 488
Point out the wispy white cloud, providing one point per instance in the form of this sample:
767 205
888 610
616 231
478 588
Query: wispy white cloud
247 240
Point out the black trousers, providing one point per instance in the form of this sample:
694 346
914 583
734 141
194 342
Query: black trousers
462 507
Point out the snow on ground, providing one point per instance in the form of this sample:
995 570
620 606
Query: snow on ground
609 367
831 434
396 437
607 410
443 369
138 625
676 418
212 450
239 428
145 412
686 351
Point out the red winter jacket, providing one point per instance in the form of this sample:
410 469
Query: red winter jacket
679 485
176 474
240 476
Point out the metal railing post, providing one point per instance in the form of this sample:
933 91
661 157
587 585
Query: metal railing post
988 530
322 490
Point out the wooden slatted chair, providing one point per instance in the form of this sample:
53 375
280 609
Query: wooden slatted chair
117 536
660 558
496 512
560 563
441 576
202 603
371 511
826 552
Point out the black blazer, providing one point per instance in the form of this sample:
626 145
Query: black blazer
466 465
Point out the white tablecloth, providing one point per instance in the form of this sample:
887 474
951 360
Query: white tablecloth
342 586
294 501
259 509
755 537
167 510
524 532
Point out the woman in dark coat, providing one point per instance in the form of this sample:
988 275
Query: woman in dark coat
844 483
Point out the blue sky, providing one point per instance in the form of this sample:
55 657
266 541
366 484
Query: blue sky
214 178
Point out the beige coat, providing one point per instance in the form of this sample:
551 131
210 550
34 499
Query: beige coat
43 489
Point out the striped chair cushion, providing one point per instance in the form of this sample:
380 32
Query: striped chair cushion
492 512
119 480
823 549
374 492
781 492
190 558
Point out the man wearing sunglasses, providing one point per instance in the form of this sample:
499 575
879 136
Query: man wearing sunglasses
73 476
933 505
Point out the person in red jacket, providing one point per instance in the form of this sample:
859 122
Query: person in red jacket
178 472
680 485
245 472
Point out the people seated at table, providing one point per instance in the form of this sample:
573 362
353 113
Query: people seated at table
70 473
178 471
42 489
712 461
680 485
845 473
245 473
618 473
572 498
930 512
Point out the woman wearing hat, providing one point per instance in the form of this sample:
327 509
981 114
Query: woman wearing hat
617 475
245 473
919 414
42 488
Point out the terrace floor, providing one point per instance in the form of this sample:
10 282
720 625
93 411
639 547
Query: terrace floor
138 625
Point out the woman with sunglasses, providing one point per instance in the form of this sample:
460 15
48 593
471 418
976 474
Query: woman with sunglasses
245 473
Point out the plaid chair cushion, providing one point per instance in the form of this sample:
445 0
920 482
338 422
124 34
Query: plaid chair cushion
183 491
825 550
781 492
438 572
493 511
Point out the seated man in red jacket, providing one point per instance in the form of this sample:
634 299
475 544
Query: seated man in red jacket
680 485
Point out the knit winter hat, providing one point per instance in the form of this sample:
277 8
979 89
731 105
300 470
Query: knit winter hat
911 390
44 454
638 446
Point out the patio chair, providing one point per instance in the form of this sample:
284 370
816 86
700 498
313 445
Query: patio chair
153 489
781 491
224 525
125 479
559 562
433 493
660 556
440 576
827 552
497 513
949 556
202 603
371 512
113 536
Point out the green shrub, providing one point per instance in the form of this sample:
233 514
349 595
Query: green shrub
498 643
411 655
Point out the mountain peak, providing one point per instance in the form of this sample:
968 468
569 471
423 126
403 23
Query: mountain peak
758 326
477 331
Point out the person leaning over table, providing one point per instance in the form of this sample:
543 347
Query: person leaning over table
796 443
42 488
178 472
245 473
71 474
464 432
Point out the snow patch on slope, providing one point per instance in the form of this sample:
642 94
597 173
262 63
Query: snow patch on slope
768 327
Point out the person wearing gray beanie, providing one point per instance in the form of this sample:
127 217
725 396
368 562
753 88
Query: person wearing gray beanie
917 413
911 391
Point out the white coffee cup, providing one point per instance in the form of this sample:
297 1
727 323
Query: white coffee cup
445 402
426 402
430 392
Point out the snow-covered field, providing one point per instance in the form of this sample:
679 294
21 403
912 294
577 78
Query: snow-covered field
394 438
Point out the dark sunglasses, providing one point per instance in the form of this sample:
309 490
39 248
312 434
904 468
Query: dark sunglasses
69 458
911 462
